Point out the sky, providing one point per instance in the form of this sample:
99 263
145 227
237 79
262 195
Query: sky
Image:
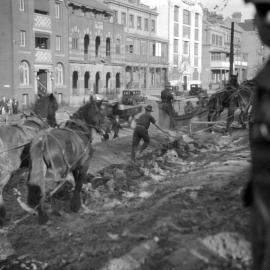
233 6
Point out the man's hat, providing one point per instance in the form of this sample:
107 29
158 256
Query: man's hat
148 108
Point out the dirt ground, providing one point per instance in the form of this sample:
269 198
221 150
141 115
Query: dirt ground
178 207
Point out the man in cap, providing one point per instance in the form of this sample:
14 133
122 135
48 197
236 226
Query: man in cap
167 98
257 194
141 131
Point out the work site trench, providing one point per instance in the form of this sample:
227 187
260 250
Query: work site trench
179 206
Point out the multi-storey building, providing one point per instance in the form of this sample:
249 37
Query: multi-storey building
33 49
258 53
146 57
96 50
180 21
216 51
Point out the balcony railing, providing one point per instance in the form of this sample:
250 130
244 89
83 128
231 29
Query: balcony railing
42 22
43 56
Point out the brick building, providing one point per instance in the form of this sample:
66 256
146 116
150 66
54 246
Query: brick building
33 49
146 54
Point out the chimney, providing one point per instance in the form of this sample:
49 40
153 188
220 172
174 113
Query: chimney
237 17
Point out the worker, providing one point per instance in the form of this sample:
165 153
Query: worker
141 131
167 99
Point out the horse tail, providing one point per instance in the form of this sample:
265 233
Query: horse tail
36 177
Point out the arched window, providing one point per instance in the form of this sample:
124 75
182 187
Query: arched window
59 74
117 80
97 46
86 44
75 80
108 46
86 79
24 73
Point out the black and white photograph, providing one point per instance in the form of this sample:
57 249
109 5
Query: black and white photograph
134 134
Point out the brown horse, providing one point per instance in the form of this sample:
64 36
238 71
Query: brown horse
14 145
61 151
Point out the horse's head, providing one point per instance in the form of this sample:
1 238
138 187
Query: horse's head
46 107
91 113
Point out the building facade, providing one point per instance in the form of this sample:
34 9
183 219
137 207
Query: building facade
146 57
33 49
258 53
216 51
96 51
180 21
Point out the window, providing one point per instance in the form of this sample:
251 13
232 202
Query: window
195 74
186 31
86 80
197 19
22 38
175 59
176 13
176 30
145 24
115 16
108 46
139 23
186 17
75 80
196 34
118 46
175 45
21 5
131 21
196 61
186 47
213 39
153 46
42 42
143 47
196 49
123 18
74 44
24 73
153 26
129 46
58 43
57 10
59 74
25 100
220 41
97 46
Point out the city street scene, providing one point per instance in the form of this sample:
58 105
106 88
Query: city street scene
134 135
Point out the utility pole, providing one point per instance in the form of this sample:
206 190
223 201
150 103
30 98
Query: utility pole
231 50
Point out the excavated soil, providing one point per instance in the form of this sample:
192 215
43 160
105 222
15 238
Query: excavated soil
163 212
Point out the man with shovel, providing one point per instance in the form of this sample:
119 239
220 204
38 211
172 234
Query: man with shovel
141 131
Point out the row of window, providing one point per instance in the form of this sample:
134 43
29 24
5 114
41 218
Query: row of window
24 74
186 31
142 23
186 16
141 47
217 40
186 45
57 8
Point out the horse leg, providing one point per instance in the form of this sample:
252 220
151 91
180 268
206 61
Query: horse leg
229 121
35 200
79 175
4 181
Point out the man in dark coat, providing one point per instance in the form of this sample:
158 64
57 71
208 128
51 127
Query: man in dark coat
167 98
141 131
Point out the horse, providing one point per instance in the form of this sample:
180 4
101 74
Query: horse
45 107
14 144
60 151
231 97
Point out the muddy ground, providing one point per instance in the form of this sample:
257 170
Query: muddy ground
178 207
